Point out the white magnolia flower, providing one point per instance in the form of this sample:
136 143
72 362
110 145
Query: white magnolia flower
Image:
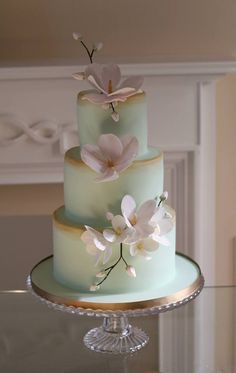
110 156
139 219
96 245
119 233
130 271
144 247
106 79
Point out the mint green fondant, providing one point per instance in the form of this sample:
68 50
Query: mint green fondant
88 202
94 120
74 267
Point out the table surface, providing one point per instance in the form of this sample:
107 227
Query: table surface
199 337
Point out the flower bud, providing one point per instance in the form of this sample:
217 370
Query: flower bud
101 274
79 76
109 216
97 46
130 271
115 116
164 196
77 36
94 287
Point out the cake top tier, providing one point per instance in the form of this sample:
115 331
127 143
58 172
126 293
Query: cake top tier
94 121
113 99
112 118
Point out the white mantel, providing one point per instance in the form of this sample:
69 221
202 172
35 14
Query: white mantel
38 104
41 101
181 120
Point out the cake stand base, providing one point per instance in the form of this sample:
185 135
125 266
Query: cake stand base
115 336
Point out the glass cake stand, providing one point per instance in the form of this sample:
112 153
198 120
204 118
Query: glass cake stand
116 334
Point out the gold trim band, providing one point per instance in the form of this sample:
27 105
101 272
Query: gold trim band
65 224
137 97
71 159
177 297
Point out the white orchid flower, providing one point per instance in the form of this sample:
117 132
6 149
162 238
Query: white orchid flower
119 233
96 245
106 79
163 223
139 219
144 247
110 156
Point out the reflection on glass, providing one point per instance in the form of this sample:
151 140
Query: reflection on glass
196 338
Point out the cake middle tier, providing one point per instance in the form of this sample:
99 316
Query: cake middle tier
87 201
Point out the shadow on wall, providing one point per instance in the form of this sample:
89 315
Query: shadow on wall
25 240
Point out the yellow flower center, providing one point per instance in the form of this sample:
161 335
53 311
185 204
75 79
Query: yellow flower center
133 220
109 86
118 231
110 164
140 246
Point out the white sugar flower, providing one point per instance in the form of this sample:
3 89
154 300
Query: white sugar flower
110 156
139 219
106 79
130 271
144 247
119 233
163 223
96 245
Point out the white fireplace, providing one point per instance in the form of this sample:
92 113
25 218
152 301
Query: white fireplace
38 124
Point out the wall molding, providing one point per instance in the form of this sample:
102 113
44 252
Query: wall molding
41 132
196 69
35 173
177 180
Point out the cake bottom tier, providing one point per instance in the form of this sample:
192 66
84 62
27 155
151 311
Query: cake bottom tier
74 267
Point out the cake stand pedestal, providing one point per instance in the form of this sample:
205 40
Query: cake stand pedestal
116 334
